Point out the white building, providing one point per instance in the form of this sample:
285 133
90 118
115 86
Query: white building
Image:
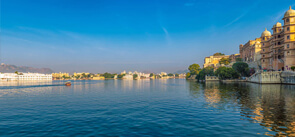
25 77
128 76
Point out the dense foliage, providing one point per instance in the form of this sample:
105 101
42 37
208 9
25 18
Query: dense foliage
239 59
242 68
293 68
224 61
194 69
226 73
135 76
187 75
218 54
170 74
108 75
208 71
121 76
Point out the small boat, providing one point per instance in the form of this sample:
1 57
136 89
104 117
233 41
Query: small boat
68 83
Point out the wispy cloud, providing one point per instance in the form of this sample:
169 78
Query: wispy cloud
167 36
236 19
246 11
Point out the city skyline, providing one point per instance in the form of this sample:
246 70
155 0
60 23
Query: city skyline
106 36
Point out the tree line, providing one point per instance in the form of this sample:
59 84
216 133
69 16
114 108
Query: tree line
238 70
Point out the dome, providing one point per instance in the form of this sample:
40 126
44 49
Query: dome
265 33
289 13
278 24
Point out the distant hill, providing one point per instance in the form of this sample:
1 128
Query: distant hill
181 71
6 68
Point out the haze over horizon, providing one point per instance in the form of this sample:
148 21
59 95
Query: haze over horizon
113 35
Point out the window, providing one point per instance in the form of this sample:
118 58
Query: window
262 60
287 45
288 37
279 36
287 20
263 55
263 50
279 43
263 44
288 29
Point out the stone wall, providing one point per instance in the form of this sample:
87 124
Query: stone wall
273 77
288 77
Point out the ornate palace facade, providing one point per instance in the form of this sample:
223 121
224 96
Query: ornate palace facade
275 51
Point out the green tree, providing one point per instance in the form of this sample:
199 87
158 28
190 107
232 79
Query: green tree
218 54
170 74
224 61
152 74
176 75
83 75
242 68
121 76
108 75
188 75
226 73
293 68
239 60
16 72
194 69
208 71
135 76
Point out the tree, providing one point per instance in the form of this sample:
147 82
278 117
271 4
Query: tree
83 75
188 75
218 54
108 75
170 74
208 71
16 72
239 60
242 68
135 76
293 68
176 75
121 76
194 69
224 61
152 74
226 73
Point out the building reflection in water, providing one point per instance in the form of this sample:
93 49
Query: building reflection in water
271 105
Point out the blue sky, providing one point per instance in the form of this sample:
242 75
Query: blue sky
116 35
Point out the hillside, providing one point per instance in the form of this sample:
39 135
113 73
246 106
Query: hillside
6 68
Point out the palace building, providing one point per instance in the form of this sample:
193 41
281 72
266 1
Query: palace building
275 51
250 52
213 61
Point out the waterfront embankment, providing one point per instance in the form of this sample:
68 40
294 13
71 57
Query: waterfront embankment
273 77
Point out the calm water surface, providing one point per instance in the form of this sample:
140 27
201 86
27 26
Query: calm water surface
173 107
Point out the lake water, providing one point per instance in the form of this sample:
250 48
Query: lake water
172 107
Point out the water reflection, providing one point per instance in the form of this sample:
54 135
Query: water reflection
273 106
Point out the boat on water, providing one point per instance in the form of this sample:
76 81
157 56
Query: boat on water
68 83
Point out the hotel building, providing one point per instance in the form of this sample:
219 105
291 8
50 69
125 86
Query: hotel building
25 77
